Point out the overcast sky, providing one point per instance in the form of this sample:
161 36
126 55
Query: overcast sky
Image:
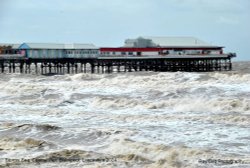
110 22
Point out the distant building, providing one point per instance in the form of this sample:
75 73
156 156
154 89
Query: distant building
48 50
7 48
144 46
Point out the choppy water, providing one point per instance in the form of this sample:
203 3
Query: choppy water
143 119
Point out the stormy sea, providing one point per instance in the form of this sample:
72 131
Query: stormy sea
137 119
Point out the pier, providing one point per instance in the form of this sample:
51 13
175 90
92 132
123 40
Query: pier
156 54
104 64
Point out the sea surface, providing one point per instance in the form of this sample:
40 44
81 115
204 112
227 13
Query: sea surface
137 119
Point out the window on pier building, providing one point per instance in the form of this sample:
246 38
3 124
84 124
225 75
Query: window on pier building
36 53
206 52
44 53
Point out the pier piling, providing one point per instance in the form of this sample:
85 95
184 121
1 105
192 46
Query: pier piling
109 65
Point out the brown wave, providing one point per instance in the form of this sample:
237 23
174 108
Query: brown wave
40 127
143 155
64 156
11 143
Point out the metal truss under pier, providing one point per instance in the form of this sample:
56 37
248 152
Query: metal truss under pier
115 64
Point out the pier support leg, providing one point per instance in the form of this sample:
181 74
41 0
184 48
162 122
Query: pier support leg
26 68
68 68
14 67
36 69
50 68
76 68
41 68
102 68
9 67
92 68
98 68
81 68
21 67
2 67
230 65
85 68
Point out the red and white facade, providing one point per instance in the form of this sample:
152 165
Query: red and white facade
163 46
160 51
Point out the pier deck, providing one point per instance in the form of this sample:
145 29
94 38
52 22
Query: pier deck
104 64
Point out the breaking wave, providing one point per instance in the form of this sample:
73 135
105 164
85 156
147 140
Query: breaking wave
175 104
122 153
44 127
11 128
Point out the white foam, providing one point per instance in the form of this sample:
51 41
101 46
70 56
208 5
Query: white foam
199 110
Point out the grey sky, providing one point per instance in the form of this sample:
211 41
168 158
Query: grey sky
110 22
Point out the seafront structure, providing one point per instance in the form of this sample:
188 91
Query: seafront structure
140 54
